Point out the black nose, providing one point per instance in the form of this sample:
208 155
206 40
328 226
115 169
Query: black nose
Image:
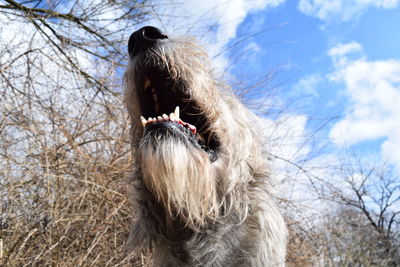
143 39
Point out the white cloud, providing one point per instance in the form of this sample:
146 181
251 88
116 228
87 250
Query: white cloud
341 10
373 90
390 148
253 47
287 137
341 53
344 49
308 85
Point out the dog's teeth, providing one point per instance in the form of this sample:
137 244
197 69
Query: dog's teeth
159 118
143 120
177 112
165 116
172 116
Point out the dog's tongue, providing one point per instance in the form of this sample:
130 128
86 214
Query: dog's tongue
174 117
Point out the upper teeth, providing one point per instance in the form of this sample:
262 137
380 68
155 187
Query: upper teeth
173 116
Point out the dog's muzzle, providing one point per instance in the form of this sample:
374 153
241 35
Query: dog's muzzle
165 102
144 39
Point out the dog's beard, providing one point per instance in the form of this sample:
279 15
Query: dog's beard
181 178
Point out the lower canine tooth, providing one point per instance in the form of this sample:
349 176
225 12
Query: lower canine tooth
177 112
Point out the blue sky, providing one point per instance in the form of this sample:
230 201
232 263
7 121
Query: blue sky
331 57
337 64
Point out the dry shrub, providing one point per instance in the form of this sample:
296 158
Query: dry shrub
63 203
64 148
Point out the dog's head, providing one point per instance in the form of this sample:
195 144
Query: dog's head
172 85
192 139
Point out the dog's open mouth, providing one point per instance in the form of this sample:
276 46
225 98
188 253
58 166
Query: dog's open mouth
164 104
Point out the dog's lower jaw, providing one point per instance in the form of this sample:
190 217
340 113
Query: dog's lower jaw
180 176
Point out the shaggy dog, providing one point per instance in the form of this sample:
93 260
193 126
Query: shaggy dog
201 180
